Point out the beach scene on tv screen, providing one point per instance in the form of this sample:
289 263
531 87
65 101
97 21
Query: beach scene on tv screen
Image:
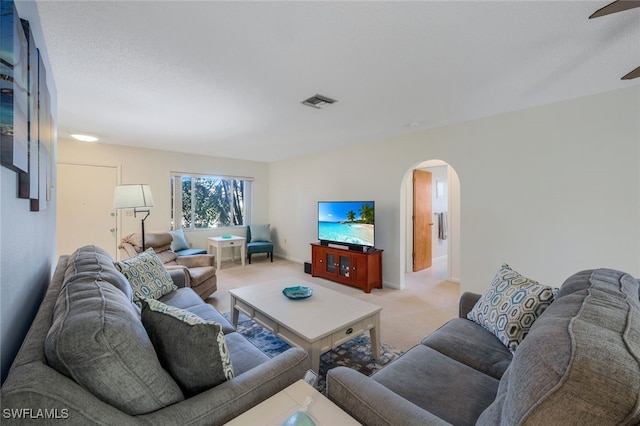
346 222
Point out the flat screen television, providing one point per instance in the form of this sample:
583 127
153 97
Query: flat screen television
350 223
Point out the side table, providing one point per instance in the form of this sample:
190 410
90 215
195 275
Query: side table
275 410
221 242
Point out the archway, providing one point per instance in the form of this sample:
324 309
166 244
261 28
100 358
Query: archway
446 185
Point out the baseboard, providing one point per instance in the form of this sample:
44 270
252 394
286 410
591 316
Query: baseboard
293 259
389 284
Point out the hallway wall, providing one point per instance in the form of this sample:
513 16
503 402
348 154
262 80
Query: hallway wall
543 189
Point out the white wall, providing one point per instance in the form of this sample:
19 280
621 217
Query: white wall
154 167
27 239
550 190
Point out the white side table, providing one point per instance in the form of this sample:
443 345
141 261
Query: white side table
234 241
275 410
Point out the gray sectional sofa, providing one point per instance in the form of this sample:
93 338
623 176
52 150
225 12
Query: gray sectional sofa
117 379
578 365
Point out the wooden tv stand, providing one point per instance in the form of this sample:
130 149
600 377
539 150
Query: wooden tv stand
353 268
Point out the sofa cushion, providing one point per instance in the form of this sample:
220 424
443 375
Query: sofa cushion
97 339
447 388
245 356
186 298
92 261
160 241
469 343
166 256
191 349
179 241
148 277
580 363
183 298
190 252
209 313
510 306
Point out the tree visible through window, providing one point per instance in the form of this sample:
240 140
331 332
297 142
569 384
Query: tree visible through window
208 201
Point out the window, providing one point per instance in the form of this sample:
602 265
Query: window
201 202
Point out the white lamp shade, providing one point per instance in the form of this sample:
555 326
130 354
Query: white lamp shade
132 196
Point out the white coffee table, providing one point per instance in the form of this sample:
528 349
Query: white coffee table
221 242
317 324
278 408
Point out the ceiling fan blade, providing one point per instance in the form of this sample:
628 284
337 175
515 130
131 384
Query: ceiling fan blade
616 6
633 74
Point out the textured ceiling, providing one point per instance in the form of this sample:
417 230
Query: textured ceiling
227 78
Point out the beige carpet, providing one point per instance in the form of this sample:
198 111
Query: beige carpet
407 315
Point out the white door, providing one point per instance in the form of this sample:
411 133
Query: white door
85 213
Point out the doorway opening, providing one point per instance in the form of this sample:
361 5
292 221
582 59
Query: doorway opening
430 223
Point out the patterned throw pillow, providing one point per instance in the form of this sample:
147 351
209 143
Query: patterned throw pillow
147 275
511 305
190 348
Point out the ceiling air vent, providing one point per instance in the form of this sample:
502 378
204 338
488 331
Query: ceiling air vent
318 101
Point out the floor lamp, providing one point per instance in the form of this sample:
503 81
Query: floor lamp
136 197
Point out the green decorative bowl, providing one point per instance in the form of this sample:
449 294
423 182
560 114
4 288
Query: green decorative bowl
297 292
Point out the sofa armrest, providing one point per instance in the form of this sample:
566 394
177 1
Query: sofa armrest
467 301
228 400
179 277
373 404
36 386
196 260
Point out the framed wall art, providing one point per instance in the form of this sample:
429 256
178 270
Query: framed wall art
45 143
28 182
14 95
27 128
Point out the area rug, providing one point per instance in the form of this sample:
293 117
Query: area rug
355 353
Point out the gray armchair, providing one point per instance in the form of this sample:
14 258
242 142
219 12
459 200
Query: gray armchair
259 241
199 268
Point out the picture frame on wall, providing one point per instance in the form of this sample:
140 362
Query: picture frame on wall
28 182
14 95
27 128
45 142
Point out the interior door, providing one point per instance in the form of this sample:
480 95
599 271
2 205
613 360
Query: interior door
85 212
422 220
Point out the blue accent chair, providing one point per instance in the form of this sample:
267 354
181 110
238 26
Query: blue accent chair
262 241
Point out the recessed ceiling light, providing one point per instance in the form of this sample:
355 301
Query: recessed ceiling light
84 138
